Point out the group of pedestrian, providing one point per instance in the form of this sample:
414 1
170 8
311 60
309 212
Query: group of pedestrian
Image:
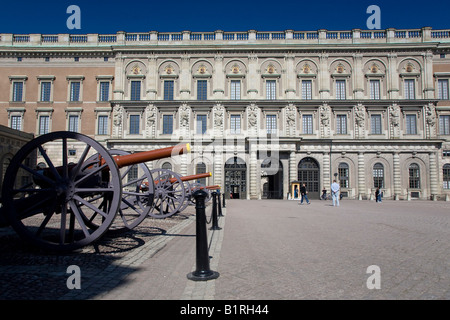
335 194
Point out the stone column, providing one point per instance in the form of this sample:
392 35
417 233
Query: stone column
218 78
397 176
185 78
252 81
218 165
433 176
326 182
253 175
290 77
119 86
183 165
292 167
428 76
324 77
361 176
392 81
358 82
152 78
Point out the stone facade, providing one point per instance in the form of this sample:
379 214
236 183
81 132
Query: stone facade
261 110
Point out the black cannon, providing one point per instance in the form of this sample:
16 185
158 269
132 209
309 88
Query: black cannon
71 200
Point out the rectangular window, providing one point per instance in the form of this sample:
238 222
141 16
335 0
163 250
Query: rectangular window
271 124
135 90
75 91
134 123
307 122
44 124
340 90
343 172
411 125
201 123
414 177
167 124
443 89
73 123
102 125
375 89
341 124
271 89
446 176
132 176
235 124
17 91
46 87
375 124
444 125
168 89
409 86
16 122
378 176
104 91
202 86
235 90
307 89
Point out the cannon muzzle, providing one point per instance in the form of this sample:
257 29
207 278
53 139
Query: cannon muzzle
141 157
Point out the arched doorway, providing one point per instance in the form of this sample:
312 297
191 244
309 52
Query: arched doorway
236 178
272 179
309 173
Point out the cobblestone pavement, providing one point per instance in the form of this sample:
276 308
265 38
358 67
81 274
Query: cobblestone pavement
266 250
28 274
280 250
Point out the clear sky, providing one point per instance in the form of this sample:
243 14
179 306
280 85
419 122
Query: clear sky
106 17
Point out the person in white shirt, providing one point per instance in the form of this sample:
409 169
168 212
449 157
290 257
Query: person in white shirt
335 193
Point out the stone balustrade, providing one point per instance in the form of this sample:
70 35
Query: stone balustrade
355 36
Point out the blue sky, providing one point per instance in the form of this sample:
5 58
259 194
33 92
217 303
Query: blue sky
105 17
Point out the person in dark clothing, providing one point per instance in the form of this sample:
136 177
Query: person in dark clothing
304 194
377 195
324 194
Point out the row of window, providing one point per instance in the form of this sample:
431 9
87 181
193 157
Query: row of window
46 94
235 90
343 174
378 176
235 124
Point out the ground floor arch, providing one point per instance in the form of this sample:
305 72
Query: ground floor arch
236 178
309 174
272 179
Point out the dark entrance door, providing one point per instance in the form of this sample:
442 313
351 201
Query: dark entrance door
273 170
235 178
309 173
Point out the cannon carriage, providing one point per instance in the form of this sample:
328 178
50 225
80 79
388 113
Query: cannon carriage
72 199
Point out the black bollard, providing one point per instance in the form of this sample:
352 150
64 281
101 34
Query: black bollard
215 224
202 271
219 205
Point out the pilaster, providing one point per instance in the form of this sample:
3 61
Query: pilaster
397 176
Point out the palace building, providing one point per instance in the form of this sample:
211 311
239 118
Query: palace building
262 110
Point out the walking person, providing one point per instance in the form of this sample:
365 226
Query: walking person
304 194
378 195
335 188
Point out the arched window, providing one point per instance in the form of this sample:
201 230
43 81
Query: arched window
414 176
343 174
446 175
201 168
167 166
378 175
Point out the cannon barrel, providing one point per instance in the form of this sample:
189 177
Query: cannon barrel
196 176
141 157
216 187
191 177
